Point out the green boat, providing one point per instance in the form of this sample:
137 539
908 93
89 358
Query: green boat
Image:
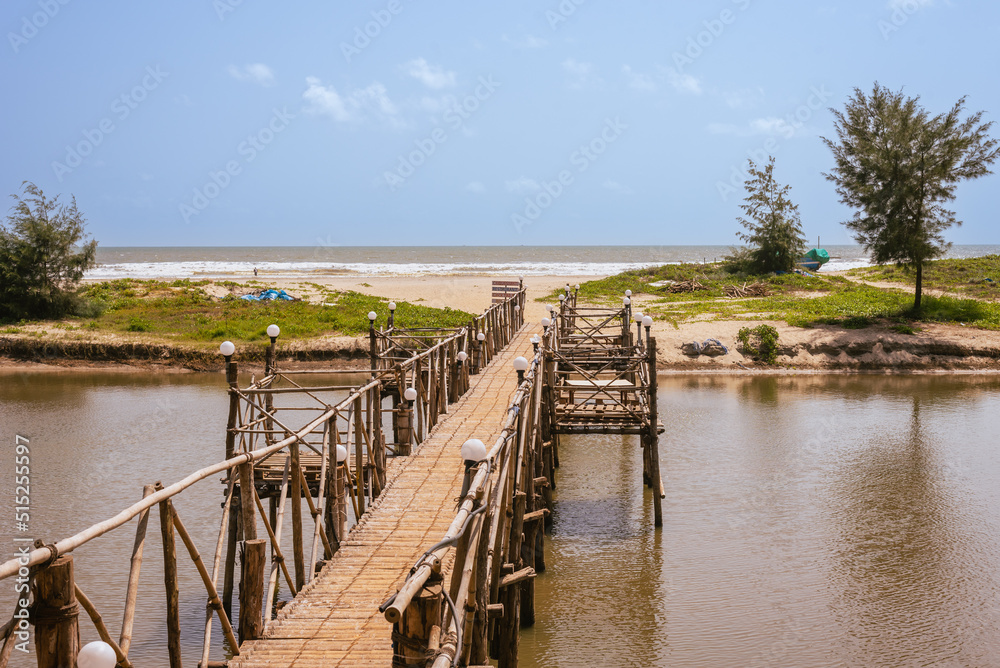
814 259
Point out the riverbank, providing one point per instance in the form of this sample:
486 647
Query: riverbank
826 344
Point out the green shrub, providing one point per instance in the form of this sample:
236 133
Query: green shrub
136 324
760 341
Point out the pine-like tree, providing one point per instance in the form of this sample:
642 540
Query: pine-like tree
43 255
897 165
774 232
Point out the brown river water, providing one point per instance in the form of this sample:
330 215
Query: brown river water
814 520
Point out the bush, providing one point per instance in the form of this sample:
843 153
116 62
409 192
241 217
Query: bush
760 341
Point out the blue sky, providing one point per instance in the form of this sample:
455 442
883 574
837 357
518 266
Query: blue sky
401 122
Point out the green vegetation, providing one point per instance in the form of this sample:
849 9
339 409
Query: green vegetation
773 229
897 166
43 254
183 312
799 300
977 277
760 341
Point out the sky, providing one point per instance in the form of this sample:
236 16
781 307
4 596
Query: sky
407 122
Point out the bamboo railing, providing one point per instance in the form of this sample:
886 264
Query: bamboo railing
468 595
335 460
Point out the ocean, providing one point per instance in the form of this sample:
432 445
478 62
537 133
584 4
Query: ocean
324 260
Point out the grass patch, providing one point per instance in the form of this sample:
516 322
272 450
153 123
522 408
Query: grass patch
977 277
182 311
803 301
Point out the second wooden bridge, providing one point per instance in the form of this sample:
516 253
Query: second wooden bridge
424 492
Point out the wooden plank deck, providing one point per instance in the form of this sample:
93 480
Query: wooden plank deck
334 621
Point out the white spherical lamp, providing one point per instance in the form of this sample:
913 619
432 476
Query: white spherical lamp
227 348
341 454
562 298
480 337
628 293
462 356
647 321
273 331
638 316
626 301
546 322
473 450
392 306
372 315
520 364
410 394
96 654
577 286
549 308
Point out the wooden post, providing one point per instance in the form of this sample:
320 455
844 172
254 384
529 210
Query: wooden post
510 625
373 348
269 369
125 639
234 408
170 582
56 615
654 450
412 633
298 553
359 456
404 423
254 557
229 573
248 513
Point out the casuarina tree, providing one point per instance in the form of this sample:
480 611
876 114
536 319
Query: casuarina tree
43 254
897 166
774 232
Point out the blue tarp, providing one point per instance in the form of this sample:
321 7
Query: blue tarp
268 295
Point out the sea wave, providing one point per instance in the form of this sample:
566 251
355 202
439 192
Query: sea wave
214 269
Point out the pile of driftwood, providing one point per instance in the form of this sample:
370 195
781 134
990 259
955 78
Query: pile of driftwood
686 286
752 290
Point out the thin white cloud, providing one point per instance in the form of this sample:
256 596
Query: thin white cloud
527 42
258 73
616 187
581 74
522 185
429 75
475 187
371 102
682 83
638 80
769 125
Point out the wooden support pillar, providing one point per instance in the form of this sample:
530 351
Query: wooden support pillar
412 633
373 348
229 573
296 498
404 423
132 590
56 615
170 582
253 560
654 450
359 456
234 408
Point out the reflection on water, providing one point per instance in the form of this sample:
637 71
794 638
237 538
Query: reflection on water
809 521
96 438
845 520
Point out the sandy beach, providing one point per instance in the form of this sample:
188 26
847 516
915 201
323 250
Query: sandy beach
935 347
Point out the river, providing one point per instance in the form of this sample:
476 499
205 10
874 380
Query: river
809 520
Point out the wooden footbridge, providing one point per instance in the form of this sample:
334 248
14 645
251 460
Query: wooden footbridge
416 501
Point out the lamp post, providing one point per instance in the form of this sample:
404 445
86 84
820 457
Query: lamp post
392 314
647 322
520 366
535 340
404 421
372 342
638 326
272 332
473 451
227 348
